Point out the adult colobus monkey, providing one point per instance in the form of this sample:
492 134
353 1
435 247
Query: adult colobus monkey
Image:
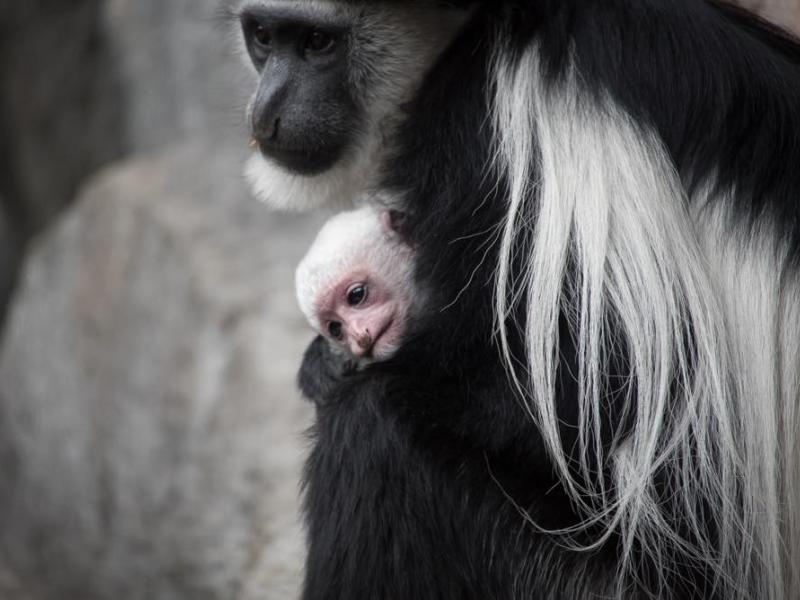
601 397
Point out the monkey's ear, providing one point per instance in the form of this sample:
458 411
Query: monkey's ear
394 223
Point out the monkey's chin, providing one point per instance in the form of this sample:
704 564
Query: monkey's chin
335 189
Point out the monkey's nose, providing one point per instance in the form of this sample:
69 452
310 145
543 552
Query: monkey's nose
365 341
360 345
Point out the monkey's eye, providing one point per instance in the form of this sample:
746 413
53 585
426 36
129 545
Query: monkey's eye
335 329
258 38
261 35
357 294
319 42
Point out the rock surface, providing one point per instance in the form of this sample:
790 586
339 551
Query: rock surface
60 114
180 68
85 82
151 437
785 13
61 107
10 248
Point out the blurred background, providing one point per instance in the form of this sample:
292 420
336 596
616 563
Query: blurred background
151 438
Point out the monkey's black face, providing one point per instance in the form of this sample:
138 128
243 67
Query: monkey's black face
303 114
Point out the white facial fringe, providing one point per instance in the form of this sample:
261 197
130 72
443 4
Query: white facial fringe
711 320
282 190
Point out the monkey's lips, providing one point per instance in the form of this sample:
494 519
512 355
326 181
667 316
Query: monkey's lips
299 160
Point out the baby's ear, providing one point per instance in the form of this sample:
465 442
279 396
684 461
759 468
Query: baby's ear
394 223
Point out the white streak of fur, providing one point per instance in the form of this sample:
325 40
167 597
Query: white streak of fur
761 296
711 331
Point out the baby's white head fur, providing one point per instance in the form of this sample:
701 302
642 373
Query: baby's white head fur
356 237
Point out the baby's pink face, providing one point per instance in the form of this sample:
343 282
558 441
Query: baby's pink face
365 315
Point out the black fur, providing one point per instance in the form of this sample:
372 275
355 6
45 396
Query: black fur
423 465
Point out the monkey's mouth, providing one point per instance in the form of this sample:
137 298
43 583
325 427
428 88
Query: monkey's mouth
301 161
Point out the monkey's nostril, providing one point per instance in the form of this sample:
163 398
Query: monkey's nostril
265 131
272 131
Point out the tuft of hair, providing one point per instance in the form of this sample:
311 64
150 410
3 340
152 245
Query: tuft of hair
392 46
709 309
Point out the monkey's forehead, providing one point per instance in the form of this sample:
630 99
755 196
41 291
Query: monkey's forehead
328 262
346 8
310 8
322 8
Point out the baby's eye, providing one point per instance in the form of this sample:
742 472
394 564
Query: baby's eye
335 329
357 294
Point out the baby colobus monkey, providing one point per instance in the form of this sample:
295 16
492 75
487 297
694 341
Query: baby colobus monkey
355 285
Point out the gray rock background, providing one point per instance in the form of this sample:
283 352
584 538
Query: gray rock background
151 437
180 69
783 12
86 82
61 113
149 425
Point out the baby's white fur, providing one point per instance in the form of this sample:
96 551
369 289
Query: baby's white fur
348 240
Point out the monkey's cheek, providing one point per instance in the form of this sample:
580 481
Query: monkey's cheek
384 352
387 345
